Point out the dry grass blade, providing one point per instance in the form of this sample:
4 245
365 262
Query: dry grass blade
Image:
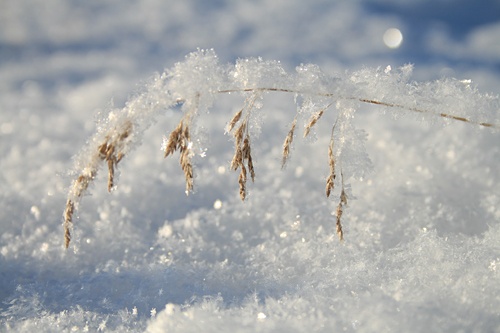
106 153
113 142
250 166
79 186
238 134
187 167
242 149
185 159
313 120
247 155
111 173
288 143
330 181
340 209
242 154
237 160
174 140
242 180
233 121
68 221
340 232
112 151
180 139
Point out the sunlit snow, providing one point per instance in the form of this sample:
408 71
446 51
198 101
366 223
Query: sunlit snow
422 233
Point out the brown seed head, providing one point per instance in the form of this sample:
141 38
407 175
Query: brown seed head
233 121
242 180
288 142
312 121
68 218
330 181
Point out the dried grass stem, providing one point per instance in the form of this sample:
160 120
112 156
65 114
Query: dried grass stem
365 100
111 150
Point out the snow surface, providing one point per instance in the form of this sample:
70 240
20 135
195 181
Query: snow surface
422 237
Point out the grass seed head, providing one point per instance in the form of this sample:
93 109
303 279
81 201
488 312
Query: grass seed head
173 140
288 143
330 181
68 221
339 230
233 121
312 121
242 180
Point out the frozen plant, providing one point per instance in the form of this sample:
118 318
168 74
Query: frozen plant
194 84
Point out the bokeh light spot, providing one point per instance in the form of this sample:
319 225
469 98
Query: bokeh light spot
218 204
393 38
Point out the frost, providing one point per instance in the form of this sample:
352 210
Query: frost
256 73
199 79
311 80
351 151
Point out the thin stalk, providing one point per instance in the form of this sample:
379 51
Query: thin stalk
367 101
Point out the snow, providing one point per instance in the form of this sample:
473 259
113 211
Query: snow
421 250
